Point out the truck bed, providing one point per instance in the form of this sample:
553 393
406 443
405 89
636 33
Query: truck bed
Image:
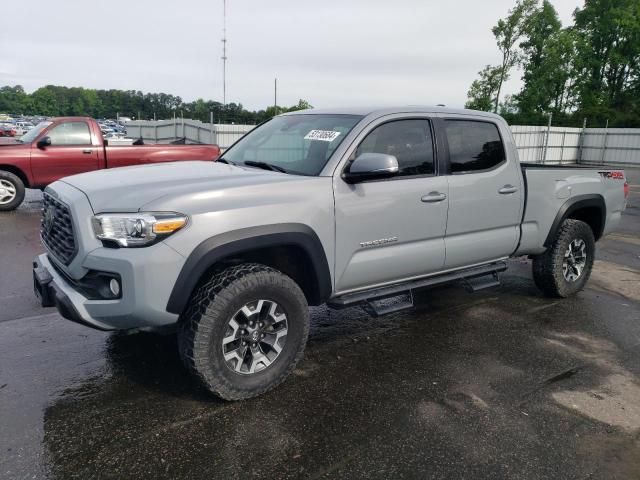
126 155
552 189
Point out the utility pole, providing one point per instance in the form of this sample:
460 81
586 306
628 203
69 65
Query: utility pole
275 95
224 52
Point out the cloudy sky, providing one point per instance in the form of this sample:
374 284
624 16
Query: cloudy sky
331 52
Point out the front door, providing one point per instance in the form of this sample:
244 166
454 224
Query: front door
391 230
71 152
485 194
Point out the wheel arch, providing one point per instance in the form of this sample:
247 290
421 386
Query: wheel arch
590 208
294 249
18 172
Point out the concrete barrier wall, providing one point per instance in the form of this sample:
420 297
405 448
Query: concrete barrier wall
555 145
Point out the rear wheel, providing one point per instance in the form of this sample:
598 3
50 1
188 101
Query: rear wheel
565 267
11 191
244 331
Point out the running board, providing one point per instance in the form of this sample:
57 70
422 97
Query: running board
384 306
474 285
375 295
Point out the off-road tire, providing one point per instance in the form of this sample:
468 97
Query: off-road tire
547 267
18 185
202 326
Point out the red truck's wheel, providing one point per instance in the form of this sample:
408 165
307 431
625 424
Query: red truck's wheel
244 330
11 191
566 265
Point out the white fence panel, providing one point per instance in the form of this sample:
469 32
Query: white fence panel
612 146
229 134
557 145
192 131
536 144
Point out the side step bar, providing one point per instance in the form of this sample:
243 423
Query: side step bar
373 300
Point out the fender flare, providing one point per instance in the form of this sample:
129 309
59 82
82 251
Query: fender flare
573 204
222 246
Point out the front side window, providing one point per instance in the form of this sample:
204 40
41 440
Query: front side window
299 144
70 133
473 145
410 141
32 134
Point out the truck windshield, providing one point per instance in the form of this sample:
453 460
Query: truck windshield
32 134
298 144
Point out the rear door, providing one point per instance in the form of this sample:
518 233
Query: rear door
393 229
485 193
71 152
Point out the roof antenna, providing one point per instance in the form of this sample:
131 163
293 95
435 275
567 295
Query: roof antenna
441 105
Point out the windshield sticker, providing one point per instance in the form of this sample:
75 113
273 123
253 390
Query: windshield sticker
322 135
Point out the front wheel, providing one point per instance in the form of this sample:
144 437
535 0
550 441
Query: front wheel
244 331
11 191
565 267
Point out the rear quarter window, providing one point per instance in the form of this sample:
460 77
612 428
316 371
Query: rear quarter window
473 145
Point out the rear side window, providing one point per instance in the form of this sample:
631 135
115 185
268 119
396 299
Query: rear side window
473 146
409 141
70 133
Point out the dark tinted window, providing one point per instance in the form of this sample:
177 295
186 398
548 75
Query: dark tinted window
408 140
70 133
473 145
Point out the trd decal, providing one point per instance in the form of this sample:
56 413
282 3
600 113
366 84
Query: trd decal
614 175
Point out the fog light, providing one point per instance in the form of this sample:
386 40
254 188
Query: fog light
114 286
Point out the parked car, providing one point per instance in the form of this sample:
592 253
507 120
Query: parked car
344 207
7 130
22 128
70 145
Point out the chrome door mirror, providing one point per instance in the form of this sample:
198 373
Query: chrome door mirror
371 166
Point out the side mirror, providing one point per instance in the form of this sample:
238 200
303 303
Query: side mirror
371 166
44 142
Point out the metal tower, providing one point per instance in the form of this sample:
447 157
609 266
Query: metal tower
224 52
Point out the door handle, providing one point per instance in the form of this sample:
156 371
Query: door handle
87 151
507 189
434 197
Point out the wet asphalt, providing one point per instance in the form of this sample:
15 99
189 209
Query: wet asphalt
502 383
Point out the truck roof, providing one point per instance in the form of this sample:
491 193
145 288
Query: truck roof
380 111
68 119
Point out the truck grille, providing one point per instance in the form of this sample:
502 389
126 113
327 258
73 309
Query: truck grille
56 230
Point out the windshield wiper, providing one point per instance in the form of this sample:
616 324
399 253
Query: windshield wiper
265 166
224 160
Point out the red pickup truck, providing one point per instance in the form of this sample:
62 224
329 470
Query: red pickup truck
68 145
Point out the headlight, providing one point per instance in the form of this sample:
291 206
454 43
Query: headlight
137 229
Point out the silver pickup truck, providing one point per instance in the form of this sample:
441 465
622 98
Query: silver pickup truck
344 207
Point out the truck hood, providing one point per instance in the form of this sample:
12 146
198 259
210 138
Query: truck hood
9 141
130 189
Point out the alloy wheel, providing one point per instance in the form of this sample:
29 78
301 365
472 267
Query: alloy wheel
254 337
575 259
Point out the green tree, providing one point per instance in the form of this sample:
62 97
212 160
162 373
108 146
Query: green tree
13 100
52 100
548 53
483 92
508 32
608 58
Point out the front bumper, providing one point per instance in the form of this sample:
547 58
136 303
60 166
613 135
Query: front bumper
147 277
49 293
